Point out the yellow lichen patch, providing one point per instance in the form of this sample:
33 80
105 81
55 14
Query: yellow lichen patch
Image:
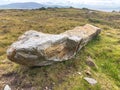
56 50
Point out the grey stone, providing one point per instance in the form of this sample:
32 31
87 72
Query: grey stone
90 80
90 62
7 87
38 49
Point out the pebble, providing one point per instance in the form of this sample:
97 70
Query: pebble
7 87
90 80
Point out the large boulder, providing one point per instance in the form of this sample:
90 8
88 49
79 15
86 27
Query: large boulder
38 49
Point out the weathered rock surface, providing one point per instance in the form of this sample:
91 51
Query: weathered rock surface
39 49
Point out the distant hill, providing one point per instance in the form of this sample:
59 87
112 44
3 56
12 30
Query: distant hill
26 5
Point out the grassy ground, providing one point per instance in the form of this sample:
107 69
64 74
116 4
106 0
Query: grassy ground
104 50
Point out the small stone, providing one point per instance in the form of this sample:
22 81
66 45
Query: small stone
90 80
53 83
90 62
79 73
88 72
7 87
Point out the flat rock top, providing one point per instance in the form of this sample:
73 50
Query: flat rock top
82 31
34 38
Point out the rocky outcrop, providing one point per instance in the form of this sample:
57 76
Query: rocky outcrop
39 49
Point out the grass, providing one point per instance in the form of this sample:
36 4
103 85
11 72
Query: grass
104 50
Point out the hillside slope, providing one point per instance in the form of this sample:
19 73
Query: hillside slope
103 50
